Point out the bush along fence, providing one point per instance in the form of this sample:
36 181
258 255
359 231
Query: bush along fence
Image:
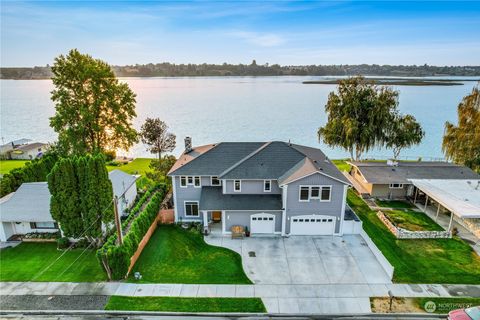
115 258
401 233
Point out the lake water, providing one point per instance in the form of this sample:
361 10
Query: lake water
232 109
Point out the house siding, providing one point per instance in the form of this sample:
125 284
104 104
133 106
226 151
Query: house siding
384 191
190 193
252 187
242 218
331 208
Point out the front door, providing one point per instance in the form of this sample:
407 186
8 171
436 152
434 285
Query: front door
217 216
262 223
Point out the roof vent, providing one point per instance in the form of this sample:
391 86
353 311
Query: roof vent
188 144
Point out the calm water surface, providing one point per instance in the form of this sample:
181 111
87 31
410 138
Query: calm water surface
232 109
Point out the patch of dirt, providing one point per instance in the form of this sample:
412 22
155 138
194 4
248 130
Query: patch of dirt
399 305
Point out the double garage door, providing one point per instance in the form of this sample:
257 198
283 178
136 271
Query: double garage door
312 225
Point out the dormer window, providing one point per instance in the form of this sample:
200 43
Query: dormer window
215 181
237 185
267 185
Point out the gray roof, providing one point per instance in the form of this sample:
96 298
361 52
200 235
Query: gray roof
381 173
256 160
31 146
121 181
17 142
30 203
212 198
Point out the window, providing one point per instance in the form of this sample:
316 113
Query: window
315 193
183 182
189 180
197 181
237 185
43 225
326 191
191 208
304 193
267 185
215 181
396 185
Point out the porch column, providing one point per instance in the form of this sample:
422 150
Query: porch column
223 222
415 198
205 218
451 220
438 211
426 203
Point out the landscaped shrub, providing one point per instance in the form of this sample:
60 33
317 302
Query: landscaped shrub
116 258
63 243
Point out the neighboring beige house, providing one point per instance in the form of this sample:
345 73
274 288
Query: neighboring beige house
391 180
29 151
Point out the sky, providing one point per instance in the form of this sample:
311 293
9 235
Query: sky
283 32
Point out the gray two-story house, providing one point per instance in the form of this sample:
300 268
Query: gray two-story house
269 187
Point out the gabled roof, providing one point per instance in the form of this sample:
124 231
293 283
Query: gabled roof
212 198
382 173
121 181
257 160
30 203
31 146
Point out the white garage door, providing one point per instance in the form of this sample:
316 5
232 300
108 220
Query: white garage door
262 223
312 225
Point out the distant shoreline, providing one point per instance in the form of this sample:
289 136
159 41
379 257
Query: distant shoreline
400 82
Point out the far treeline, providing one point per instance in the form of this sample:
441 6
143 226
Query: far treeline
196 70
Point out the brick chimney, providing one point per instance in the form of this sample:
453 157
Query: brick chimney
188 144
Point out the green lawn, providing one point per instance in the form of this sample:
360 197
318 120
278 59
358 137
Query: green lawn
27 260
420 261
174 255
137 166
395 204
342 164
176 304
8 165
412 220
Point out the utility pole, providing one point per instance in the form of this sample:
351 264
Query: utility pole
117 221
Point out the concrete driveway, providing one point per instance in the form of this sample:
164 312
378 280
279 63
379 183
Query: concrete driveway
306 259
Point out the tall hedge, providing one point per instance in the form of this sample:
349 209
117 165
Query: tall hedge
33 171
115 259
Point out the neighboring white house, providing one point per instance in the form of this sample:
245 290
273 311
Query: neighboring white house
7 147
124 187
29 151
28 209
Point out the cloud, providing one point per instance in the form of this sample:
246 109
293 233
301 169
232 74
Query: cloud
260 39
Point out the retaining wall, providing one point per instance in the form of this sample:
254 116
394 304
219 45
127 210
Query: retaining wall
401 233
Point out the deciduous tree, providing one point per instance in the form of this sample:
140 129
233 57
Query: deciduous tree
93 110
403 132
359 114
461 142
155 134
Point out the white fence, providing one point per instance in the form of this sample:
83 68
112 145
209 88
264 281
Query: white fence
378 254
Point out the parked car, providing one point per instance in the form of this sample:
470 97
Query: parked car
472 313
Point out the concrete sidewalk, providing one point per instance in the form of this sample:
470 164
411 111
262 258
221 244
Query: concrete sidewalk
325 298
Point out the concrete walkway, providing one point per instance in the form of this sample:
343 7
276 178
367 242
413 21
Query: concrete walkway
328 298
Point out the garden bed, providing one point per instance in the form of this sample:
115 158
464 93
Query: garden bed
412 220
394 204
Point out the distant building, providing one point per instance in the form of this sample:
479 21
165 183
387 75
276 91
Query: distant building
392 180
29 151
6 148
125 188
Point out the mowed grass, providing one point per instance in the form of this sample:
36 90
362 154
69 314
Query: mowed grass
174 255
8 165
342 164
137 166
412 220
395 204
26 262
420 261
177 304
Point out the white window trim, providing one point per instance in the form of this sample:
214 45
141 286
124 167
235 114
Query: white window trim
216 185
400 186
329 194
270 182
186 184
240 184
310 192
300 193
199 182
185 208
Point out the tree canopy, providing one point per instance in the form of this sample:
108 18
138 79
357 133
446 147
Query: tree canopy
461 142
359 114
154 133
403 132
93 110
81 196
